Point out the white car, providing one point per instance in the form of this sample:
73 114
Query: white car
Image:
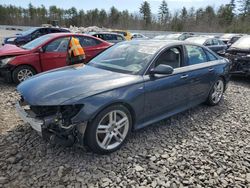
138 36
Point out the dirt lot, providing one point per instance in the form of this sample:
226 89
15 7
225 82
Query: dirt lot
202 147
6 33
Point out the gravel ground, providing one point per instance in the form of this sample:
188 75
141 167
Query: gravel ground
6 33
202 147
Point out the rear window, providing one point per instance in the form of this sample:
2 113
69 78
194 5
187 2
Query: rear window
211 57
196 55
88 41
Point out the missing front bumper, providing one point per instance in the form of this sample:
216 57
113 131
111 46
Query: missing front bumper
44 127
35 123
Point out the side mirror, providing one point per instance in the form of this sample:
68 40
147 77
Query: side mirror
162 69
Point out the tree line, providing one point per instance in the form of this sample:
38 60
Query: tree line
231 17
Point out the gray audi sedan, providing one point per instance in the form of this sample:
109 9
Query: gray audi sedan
131 85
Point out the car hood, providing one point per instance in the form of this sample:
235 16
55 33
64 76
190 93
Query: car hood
9 50
79 81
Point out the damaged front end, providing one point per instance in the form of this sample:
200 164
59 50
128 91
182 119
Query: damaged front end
54 123
240 62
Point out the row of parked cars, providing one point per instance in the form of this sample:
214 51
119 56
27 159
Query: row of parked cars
41 48
223 45
122 87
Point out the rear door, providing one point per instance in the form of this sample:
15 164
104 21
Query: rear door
54 54
91 46
200 73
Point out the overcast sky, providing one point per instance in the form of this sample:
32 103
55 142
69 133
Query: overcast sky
130 5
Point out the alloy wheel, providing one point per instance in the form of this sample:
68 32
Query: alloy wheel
24 74
112 129
217 91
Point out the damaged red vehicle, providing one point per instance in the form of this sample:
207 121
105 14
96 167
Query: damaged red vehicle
43 54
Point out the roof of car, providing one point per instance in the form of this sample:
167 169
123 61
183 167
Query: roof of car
157 42
55 35
198 40
67 34
104 32
161 44
59 28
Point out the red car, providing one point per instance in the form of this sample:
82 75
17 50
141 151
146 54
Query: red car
43 54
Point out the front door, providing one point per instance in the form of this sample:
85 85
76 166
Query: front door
54 54
166 93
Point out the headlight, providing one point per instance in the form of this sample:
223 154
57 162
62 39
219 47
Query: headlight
5 61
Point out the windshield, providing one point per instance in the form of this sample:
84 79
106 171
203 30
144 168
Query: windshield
199 40
37 42
242 43
29 31
130 58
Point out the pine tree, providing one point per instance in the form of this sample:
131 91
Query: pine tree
145 10
232 4
164 14
244 7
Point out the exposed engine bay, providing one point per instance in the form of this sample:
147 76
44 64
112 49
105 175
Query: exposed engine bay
55 122
240 62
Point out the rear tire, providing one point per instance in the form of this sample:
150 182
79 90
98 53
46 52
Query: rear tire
109 130
216 92
22 73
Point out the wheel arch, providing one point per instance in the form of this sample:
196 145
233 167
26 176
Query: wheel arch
123 103
24 65
18 66
224 81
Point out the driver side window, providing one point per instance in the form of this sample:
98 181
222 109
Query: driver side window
171 57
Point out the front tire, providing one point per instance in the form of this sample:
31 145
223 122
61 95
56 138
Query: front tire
22 73
216 92
109 130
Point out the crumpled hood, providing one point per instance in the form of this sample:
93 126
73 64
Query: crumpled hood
60 85
9 50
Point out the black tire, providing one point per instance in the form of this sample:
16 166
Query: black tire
17 70
210 101
90 137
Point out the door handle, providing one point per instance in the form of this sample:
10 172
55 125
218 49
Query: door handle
184 76
211 69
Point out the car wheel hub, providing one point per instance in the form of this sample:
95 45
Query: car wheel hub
24 74
217 91
112 129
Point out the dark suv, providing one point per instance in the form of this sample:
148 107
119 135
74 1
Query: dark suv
31 34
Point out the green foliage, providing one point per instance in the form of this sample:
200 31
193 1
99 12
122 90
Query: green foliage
145 10
231 17
164 14
244 7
